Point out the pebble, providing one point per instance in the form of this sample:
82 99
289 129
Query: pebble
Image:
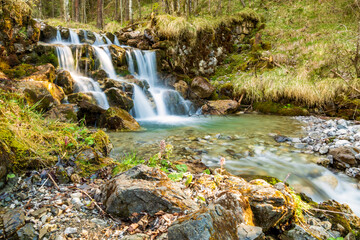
70 230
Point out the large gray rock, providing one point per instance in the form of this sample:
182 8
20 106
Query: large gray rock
63 113
65 80
270 205
118 98
344 157
201 88
298 233
215 222
13 220
220 107
27 232
144 189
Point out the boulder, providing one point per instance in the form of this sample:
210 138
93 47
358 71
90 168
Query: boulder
65 34
143 45
6 159
99 74
118 55
118 119
220 107
76 98
44 94
110 36
132 42
150 35
269 205
214 222
65 80
118 98
144 189
182 87
13 220
45 73
47 33
344 157
201 88
122 85
89 111
161 45
63 113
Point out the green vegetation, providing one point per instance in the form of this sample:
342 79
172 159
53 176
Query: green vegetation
309 41
20 71
32 141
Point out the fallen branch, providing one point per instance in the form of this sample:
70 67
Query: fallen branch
329 211
53 181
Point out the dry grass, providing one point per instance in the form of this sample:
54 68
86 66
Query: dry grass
174 28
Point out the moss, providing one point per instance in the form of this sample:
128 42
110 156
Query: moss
277 108
20 71
3 65
102 142
48 58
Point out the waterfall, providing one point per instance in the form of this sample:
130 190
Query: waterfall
74 37
142 64
105 61
116 41
82 83
155 103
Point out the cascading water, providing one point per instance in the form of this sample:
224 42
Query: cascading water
67 62
168 102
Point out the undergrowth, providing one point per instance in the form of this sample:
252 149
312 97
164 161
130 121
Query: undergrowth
32 141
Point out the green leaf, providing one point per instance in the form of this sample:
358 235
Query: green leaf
176 176
201 198
10 175
189 180
207 171
181 167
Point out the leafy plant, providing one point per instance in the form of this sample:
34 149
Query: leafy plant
181 168
176 177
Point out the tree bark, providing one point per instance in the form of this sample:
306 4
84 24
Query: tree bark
131 11
139 5
99 22
189 8
77 12
121 12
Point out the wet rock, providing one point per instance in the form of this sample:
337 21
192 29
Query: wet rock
220 107
47 33
268 204
131 192
110 36
353 172
298 233
150 35
65 80
118 98
136 237
118 55
182 87
63 113
43 94
99 74
13 220
118 119
201 88
324 150
64 32
280 138
76 98
132 42
343 157
27 232
300 145
143 45
214 222
124 86
45 73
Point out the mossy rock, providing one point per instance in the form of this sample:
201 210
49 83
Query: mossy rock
102 143
20 71
276 108
119 120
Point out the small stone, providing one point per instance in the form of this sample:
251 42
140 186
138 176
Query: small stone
27 232
70 230
99 222
324 150
299 145
323 162
341 143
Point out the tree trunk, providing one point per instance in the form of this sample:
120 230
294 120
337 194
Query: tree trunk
189 8
209 6
139 5
66 10
121 12
243 3
77 12
131 11
99 22
116 15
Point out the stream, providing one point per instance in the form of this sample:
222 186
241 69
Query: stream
246 143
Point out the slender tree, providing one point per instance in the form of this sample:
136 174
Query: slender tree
121 12
131 11
99 22
139 5
77 12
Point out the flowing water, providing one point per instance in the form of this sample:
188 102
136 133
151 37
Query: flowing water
249 150
68 62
